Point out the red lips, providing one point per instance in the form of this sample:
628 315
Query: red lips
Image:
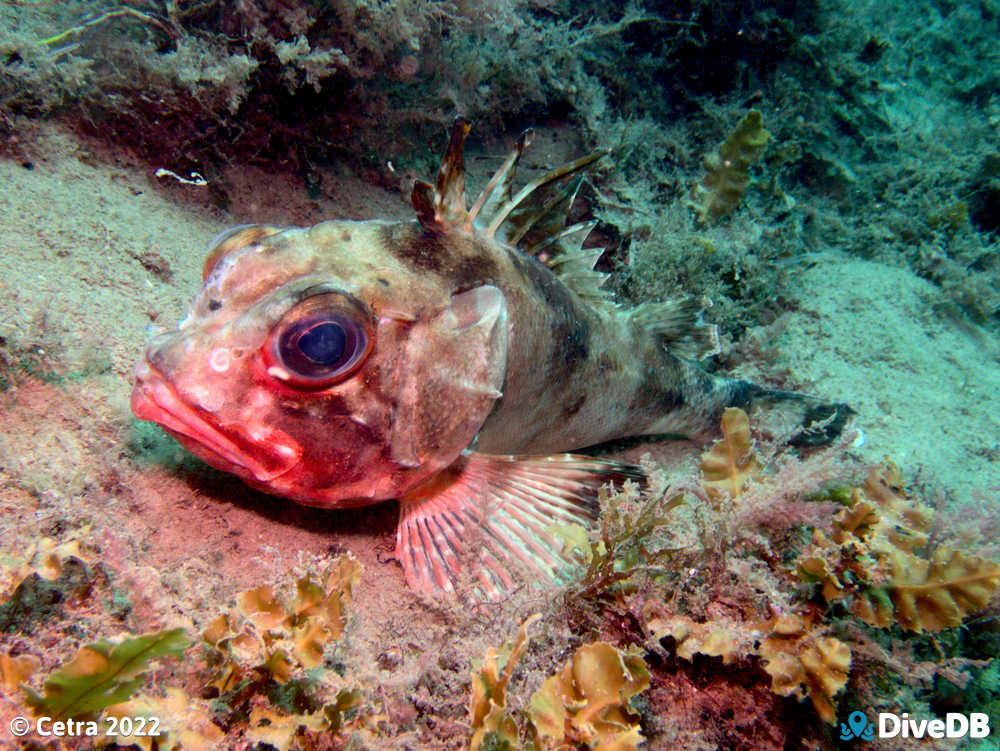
262 457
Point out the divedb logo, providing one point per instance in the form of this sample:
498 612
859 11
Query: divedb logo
892 725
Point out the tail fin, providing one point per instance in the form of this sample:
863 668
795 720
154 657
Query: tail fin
820 421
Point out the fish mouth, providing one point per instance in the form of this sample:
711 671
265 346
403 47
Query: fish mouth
155 399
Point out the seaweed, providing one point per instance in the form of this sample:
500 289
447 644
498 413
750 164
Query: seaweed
182 721
103 674
625 546
278 638
42 581
492 724
803 663
873 562
586 704
727 172
730 464
15 670
885 559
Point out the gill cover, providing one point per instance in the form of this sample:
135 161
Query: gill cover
451 371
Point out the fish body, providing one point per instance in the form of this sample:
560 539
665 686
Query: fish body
438 362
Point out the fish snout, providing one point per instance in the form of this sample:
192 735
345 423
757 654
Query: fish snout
142 406
260 452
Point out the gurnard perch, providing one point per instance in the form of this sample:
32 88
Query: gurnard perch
441 363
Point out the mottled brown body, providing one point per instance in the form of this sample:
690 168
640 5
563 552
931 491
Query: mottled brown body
576 375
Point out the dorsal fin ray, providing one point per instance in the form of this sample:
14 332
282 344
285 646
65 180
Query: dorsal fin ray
585 260
549 177
565 255
422 197
544 220
441 207
449 192
498 188
566 244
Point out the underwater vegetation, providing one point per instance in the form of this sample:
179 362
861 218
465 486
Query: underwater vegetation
762 570
727 172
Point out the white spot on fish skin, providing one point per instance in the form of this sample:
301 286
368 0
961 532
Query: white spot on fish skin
209 400
257 433
219 360
275 310
278 372
395 316
218 274
286 451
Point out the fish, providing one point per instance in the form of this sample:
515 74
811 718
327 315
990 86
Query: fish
452 362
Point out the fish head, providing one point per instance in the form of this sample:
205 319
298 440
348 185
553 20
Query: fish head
317 364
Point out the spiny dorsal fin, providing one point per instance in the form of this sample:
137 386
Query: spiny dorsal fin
497 190
441 207
565 245
563 252
548 178
585 259
529 220
680 325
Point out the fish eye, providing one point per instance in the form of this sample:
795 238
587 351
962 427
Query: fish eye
319 349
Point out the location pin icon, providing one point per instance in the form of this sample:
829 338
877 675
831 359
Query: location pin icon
857 722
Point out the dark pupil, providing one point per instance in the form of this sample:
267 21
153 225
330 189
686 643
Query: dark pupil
321 347
323 343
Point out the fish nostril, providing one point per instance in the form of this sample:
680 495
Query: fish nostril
157 351
155 356
141 372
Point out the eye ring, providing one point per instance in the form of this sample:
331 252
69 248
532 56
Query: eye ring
317 344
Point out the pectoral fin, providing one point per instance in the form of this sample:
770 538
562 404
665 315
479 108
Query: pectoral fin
487 520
